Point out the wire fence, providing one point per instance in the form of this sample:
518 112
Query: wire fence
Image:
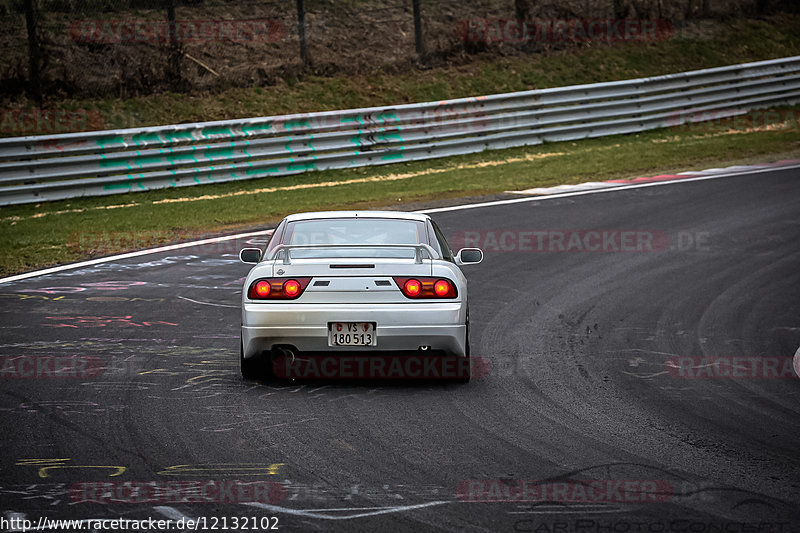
124 48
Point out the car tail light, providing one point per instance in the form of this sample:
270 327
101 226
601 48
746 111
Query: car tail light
262 288
277 288
412 287
426 287
291 288
441 288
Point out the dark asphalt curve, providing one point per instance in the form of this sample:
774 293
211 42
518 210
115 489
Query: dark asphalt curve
630 390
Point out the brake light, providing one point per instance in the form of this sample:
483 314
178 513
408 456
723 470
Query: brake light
412 287
441 287
418 288
277 288
262 288
291 288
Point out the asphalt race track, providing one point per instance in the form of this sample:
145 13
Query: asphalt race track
121 394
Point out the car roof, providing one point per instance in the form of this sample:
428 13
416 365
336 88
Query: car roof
321 215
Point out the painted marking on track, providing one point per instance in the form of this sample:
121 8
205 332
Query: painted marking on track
52 464
250 469
361 512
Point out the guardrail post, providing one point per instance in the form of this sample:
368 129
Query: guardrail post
174 74
301 33
418 39
34 53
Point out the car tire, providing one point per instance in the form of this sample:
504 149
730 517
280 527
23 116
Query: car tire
465 379
251 367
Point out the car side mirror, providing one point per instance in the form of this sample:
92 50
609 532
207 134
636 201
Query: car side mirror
250 255
469 256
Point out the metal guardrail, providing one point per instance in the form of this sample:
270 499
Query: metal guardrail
55 167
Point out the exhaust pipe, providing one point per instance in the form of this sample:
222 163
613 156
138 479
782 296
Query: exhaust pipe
287 353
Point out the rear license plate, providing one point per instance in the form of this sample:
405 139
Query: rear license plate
351 334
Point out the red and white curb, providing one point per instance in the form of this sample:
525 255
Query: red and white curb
593 185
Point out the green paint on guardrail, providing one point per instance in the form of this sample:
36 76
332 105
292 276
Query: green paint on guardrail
218 153
179 135
392 157
256 127
181 157
256 171
289 124
146 137
106 163
301 166
116 186
119 139
390 137
355 119
384 116
148 160
210 132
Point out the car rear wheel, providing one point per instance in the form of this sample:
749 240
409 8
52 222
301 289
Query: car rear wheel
466 378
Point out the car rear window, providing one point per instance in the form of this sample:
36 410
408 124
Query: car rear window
361 231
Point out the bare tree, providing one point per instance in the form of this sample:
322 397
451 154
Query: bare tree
419 42
522 9
301 33
34 53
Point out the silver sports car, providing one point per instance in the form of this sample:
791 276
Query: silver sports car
354 283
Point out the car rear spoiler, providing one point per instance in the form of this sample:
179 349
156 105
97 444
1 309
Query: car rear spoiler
418 249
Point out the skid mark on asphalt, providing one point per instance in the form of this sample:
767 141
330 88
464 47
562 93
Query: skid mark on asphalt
63 407
171 513
208 303
360 512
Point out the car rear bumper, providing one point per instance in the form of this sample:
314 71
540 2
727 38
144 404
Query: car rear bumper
399 327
